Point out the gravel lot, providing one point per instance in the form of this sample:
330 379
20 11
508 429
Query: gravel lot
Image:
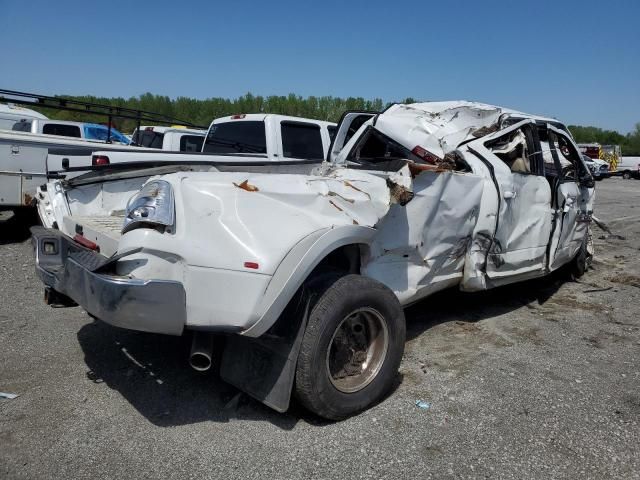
535 380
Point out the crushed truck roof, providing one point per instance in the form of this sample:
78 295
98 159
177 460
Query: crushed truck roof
440 127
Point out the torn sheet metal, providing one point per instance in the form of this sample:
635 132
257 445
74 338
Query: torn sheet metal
421 246
438 127
515 242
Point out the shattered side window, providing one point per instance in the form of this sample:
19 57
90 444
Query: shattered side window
572 166
512 149
376 149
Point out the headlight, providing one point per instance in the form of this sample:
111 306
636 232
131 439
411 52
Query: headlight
152 206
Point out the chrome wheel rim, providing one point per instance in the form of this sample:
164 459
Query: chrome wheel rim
357 350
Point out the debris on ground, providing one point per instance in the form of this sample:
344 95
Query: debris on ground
605 289
9 396
423 405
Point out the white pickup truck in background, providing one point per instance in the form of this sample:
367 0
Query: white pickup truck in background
255 141
83 130
29 159
254 137
174 138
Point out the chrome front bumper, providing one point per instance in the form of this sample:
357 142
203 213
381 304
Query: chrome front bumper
157 306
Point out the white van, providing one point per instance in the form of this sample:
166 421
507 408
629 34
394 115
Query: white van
629 167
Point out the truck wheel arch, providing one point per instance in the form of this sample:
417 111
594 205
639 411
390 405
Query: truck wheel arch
298 264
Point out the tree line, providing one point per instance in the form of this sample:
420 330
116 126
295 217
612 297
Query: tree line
201 112
329 108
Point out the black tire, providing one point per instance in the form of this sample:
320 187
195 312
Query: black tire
344 297
26 216
582 260
626 175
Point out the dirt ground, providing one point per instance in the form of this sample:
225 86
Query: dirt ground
535 380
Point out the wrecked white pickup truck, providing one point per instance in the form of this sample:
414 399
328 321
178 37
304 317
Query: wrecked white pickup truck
305 275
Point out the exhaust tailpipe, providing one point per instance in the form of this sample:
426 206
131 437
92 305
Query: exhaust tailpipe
201 351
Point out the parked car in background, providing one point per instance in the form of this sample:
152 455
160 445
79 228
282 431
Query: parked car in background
86 131
10 114
302 267
629 167
598 168
175 138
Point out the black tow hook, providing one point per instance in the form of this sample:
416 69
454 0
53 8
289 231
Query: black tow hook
56 299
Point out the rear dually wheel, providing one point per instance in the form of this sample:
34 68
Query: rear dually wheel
351 349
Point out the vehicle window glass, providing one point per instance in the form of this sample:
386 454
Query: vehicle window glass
22 126
61 129
572 167
191 143
301 140
512 149
116 136
354 126
236 137
332 132
95 133
378 150
99 132
7 123
148 138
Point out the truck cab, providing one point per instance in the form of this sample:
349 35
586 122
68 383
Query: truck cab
175 138
277 136
82 130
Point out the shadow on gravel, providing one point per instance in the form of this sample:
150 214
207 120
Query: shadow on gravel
14 228
152 373
453 305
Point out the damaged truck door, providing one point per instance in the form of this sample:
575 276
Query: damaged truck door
573 198
523 222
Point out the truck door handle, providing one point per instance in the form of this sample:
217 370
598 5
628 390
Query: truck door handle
509 194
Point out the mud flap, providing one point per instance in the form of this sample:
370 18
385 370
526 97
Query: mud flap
265 367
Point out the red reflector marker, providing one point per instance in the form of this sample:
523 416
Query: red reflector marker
253 265
86 242
238 117
100 160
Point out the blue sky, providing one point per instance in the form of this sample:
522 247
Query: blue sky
578 61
